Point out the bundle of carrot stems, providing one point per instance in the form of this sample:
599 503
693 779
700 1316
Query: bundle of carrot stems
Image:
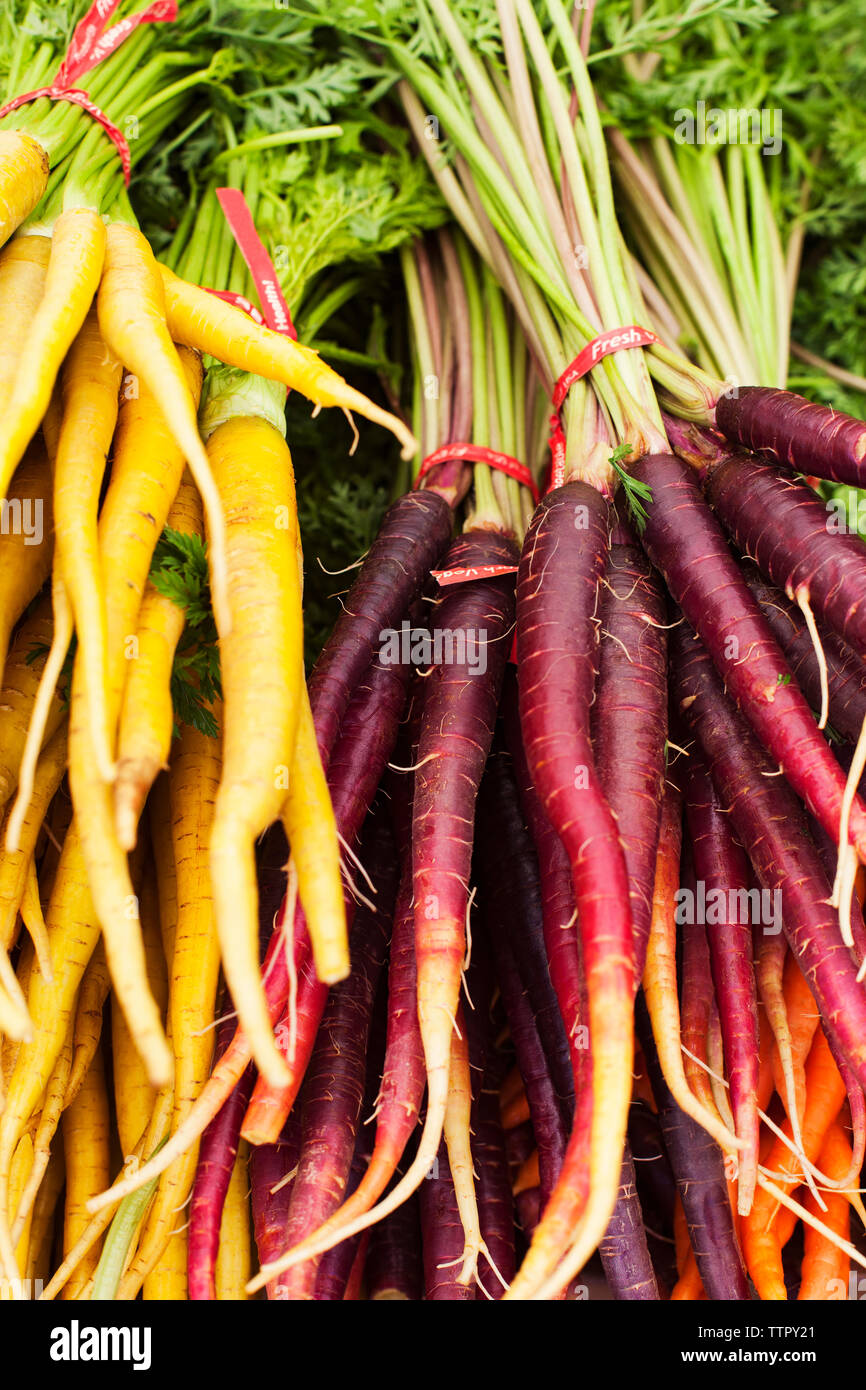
517 949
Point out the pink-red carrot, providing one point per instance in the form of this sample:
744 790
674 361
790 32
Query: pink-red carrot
561 568
272 1168
686 542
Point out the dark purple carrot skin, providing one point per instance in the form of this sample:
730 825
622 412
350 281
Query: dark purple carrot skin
415 531
655 1181
630 716
366 742
846 673
624 1252
827 853
699 1169
394 1272
545 1111
787 530
721 864
270 1165
442 1236
457 720
507 867
336 1266
334 1081
557 893
527 1210
493 1191
811 438
219 1143
767 817
685 541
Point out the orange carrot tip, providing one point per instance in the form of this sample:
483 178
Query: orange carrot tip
203 321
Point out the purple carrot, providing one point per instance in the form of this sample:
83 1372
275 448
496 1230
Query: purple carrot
630 716
766 816
358 762
624 1252
337 1265
334 1082
457 719
493 1189
721 866
414 532
442 1236
685 541
811 438
544 1107
699 1170
561 570
394 1270
557 896
508 869
271 1169
788 531
846 673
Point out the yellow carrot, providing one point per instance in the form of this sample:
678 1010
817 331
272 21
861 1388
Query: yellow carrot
88 1165
44 710
74 268
23 267
193 781
26 544
38 1268
132 317
167 1281
133 1093
31 916
14 864
73 932
146 474
87 1029
46 1128
24 168
147 716
21 680
162 843
262 677
234 1255
90 383
308 818
203 321
14 1265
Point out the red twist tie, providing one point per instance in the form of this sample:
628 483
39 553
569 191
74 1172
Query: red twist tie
240 302
274 307
445 577
88 46
479 453
614 340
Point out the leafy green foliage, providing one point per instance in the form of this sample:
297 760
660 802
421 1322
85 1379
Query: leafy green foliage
179 572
